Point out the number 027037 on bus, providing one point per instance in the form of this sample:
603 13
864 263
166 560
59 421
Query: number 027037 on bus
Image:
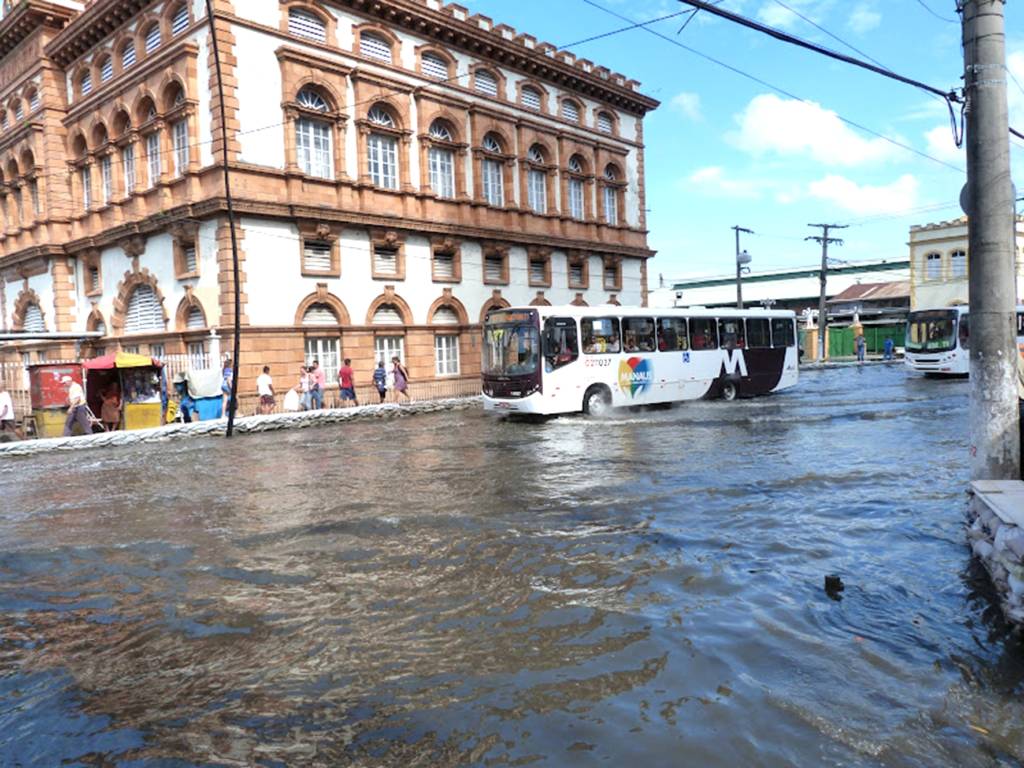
551 360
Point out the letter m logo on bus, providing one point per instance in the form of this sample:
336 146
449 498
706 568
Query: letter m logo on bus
733 359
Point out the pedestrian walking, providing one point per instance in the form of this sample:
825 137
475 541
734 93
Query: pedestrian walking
862 347
380 380
316 392
347 383
265 389
401 380
110 410
7 420
78 411
227 375
887 348
304 387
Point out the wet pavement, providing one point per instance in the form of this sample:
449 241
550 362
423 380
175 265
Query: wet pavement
451 589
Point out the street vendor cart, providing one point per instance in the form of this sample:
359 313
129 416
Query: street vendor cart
140 382
49 396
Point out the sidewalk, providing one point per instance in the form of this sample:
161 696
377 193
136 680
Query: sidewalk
848 362
243 425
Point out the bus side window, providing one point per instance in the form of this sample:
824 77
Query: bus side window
758 334
783 333
672 335
965 331
637 334
561 346
600 335
703 333
730 333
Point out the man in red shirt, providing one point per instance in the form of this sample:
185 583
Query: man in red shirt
347 383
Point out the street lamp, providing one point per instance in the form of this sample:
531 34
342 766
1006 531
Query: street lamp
742 259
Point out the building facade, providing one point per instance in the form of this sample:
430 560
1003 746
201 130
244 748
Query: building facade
397 168
939 265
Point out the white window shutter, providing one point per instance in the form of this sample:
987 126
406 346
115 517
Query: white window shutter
387 314
319 314
305 24
144 311
446 316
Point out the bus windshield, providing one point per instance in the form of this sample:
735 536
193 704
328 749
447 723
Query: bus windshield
511 344
931 331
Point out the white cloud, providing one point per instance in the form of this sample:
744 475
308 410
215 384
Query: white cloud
712 180
863 19
866 200
775 15
770 124
688 104
941 145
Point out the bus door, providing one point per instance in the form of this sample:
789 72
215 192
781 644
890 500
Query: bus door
561 349
764 362
673 355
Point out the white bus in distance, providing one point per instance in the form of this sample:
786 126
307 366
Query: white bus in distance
552 360
938 340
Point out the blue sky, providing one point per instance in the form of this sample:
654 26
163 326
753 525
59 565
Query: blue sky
723 150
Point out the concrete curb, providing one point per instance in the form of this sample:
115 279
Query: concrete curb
847 364
243 425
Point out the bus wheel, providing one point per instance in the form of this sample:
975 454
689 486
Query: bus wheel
597 401
729 390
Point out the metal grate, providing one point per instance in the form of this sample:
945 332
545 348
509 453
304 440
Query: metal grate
446 316
310 99
305 24
319 314
316 256
387 314
195 319
374 47
33 320
444 266
531 98
153 38
434 66
486 83
144 312
385 261
179 22
491 144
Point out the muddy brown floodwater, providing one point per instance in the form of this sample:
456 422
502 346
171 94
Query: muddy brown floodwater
452 590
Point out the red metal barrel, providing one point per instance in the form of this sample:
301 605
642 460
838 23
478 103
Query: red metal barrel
45 386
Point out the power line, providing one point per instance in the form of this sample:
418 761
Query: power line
778 89
928 8
820 28
638 25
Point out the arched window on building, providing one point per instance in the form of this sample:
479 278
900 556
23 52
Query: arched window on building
441 160
382 149
537 181
530 97
84 84
106 69
319 314
576 207
485 82
374 46
179 20
33 100
491 169
144 312
433 65
313 136
128 55
611 195
387 314
571 111
195 319
605 122
153 38
302 23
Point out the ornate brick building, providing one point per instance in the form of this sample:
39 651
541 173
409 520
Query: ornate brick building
399 167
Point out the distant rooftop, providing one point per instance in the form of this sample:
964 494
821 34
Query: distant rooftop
849 268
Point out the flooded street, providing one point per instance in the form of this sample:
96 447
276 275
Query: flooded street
451 589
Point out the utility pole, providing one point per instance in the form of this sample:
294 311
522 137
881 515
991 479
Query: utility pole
989 204
742 259
825 241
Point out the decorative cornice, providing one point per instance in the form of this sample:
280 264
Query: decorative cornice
29 16
98 21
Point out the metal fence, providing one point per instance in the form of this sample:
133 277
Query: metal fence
15 380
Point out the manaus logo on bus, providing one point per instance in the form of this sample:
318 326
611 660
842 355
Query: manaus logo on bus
635 376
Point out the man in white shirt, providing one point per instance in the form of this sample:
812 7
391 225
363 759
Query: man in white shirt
78 411
265 389
7 421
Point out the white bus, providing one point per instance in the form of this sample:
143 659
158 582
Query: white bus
938 340
551 360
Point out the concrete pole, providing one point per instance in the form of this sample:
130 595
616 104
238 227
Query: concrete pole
995 440
741 261
822 308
